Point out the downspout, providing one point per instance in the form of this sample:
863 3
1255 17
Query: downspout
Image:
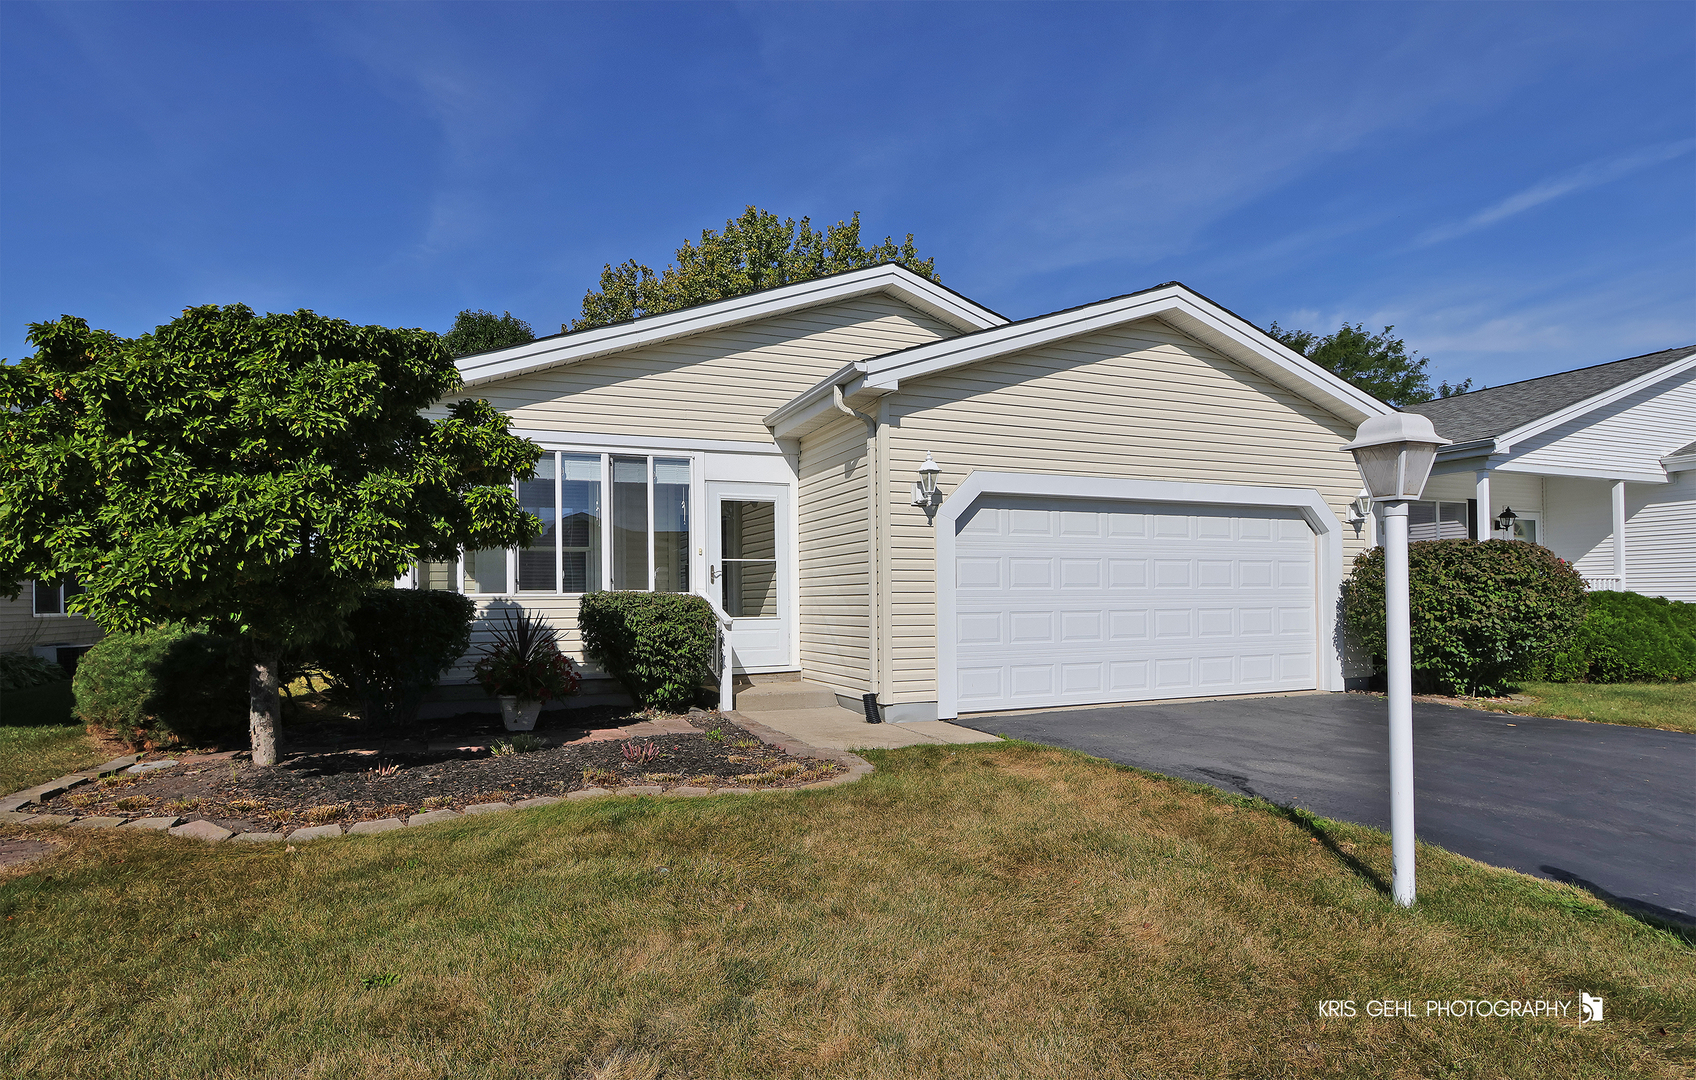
874 539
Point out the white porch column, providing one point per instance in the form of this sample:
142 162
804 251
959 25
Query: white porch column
1486 521
1619 532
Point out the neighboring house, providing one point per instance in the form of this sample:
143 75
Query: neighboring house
36 623
1139 498
1598 465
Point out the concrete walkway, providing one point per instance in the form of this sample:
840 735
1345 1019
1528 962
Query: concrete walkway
810 713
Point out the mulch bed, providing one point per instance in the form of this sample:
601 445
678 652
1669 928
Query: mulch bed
350 774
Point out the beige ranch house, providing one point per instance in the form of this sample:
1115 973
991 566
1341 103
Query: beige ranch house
1142 498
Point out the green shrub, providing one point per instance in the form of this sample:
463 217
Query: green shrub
659 646
398 643
1482 613
1628 637
20 671
171 684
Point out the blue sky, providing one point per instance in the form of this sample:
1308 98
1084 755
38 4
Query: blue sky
1513 186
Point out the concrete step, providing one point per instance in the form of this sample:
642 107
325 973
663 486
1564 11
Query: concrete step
784 696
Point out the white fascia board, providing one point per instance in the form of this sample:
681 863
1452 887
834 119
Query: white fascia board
563 349
1679 462
1312 506
1507 439
557 440
1633 475
1185 311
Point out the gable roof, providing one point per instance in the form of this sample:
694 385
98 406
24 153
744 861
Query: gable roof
1516 407
573 347
1174 303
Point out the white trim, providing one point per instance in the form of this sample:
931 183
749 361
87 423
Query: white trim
571 348
1507 439
1186 311
1513 466
595 443
1679 462
1183 310
1326 527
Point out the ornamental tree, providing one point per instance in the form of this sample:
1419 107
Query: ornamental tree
253 473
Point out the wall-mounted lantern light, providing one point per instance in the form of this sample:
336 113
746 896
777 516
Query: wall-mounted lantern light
1505 522
1359 510
924 492
1394 454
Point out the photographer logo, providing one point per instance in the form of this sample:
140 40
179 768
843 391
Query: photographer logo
1590 1008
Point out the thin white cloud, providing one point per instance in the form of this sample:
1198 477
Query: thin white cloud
1593 174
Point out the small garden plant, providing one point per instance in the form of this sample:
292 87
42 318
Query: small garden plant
524 661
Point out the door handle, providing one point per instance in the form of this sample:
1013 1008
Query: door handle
712 573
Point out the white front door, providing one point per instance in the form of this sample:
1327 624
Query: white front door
748 570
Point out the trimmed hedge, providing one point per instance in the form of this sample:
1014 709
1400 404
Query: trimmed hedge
20 671
659 646
172 684
1629 637
1482 613
398 643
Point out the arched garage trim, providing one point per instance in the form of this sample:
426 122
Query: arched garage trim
1327 529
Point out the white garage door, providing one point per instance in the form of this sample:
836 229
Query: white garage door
1062 602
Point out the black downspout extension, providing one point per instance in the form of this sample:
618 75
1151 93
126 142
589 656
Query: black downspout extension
870 702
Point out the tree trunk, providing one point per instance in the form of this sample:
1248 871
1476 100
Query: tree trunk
262 707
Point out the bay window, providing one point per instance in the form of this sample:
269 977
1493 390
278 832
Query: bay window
646 531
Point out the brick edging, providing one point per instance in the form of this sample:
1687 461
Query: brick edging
211 833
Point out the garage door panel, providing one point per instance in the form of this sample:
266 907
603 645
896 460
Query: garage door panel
1042 619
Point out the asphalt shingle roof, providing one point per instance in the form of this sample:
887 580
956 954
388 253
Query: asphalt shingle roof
1681 451
1484 414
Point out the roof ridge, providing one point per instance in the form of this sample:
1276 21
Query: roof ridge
1561 374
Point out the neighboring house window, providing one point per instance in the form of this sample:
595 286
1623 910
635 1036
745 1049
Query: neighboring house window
649 531
50 597
1438 521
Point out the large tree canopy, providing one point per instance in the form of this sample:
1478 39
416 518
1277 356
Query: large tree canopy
1377 363
475 331
254 473
755 251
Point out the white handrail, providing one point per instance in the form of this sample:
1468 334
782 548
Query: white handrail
726 695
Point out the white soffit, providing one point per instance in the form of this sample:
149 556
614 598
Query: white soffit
561 349
1185 311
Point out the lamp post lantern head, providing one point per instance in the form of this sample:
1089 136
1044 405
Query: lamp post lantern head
1394 454
1505 521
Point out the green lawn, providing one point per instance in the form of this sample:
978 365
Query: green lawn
1671 706
1007 911
38 739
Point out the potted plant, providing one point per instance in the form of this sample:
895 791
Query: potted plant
524 668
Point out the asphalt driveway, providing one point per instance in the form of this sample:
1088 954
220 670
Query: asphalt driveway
1611 809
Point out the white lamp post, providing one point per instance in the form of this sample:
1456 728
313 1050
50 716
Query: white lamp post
1394 455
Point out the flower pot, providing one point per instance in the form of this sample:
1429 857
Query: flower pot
519 715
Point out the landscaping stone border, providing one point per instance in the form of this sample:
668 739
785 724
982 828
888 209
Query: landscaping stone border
11 811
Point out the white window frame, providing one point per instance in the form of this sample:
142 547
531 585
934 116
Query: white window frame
697 493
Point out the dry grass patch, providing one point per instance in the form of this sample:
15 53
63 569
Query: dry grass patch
962 912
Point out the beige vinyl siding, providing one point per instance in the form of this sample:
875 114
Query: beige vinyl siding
560 612
715 385
21 628
1142 401
834 613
